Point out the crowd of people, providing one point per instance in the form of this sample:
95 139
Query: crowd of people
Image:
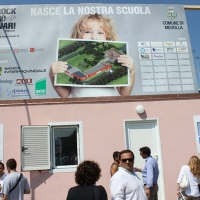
124 182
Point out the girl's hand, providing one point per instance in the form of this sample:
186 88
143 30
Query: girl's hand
128 62
58 67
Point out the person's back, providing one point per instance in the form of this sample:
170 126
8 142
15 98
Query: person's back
15 186
192 170
9 183
193 189
86 175
86 192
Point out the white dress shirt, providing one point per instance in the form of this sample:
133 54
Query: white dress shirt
193 189
127 186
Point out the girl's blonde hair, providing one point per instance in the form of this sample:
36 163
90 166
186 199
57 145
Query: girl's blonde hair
106 23
194 164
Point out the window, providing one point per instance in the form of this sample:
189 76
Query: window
58 147
65 146
197 131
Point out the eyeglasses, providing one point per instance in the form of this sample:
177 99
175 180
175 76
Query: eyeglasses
125 160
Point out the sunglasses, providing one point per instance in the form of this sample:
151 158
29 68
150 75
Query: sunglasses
125 160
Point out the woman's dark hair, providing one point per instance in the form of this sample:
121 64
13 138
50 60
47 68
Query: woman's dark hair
88 172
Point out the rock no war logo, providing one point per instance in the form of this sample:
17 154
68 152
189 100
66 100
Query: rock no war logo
7 15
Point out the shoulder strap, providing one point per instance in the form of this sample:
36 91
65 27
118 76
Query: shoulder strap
96 193
16 183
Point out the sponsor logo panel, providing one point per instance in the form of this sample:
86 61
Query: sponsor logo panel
5 51
8 70
143 44
145 56
157 50
3 61
158 56
144 50
4 81
170 50
17 92
182 49
181 44
156 44
40 87
20 81
169 44
20 50
32 50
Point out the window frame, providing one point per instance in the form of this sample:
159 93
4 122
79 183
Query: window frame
80 153
48 141
197 131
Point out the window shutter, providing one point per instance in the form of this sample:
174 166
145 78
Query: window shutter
35 148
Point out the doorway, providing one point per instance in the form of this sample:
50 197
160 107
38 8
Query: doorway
145 133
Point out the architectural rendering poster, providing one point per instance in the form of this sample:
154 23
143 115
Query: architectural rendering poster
91 63
156 55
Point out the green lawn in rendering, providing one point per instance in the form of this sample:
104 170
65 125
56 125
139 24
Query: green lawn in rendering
122 80
63 43
62 78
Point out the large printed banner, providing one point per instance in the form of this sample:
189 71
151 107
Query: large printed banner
151 47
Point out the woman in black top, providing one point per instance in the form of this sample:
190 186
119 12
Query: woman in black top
87 174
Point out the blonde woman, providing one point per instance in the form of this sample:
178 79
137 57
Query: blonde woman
94 27
192 170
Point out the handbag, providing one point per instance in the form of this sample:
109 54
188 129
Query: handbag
184 181
96 193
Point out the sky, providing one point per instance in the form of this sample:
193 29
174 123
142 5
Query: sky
191 15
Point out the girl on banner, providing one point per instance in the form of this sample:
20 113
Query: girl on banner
94 27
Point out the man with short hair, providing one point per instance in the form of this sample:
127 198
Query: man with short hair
115 165
125 184
2 177
15 184
150 173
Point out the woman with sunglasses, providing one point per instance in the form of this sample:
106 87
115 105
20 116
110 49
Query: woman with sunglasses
86 176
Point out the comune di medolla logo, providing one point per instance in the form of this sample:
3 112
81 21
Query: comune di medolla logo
171 14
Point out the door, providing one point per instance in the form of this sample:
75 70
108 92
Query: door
145 133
